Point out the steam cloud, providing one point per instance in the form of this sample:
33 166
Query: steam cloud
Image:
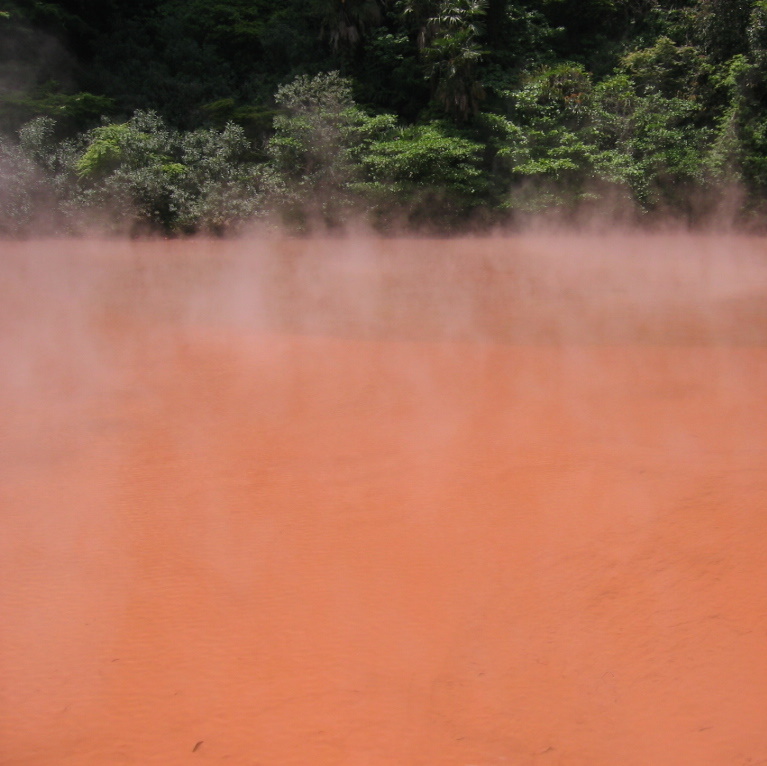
302 500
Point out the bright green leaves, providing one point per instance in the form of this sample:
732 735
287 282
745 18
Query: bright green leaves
427 155
427 172
333 158
152 175
104 152
571 136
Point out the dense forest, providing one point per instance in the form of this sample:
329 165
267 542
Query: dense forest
179 116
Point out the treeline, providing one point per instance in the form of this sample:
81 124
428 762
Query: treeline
183 116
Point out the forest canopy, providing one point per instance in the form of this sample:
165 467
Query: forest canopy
182 116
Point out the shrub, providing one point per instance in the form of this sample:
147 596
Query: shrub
151 176
315 153
433 174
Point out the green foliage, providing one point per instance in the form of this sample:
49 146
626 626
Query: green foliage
436 111
757 36
448 38
23 192
569 139
426 155
76 109
318 138
157 177
722 25
36 140
257 121
553 95
648 141
544 153
668 68
37 175
105 150
593 32
428 171
392 78
740 150
233 25
515 37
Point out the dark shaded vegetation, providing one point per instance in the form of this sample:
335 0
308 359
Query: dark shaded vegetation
182 115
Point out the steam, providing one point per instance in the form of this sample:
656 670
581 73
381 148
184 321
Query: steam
297 497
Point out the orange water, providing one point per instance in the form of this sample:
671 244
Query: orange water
405 502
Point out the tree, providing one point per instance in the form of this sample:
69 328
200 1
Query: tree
723 25
313 155
346 22
154 177
25 193
672 70
428 172
448 37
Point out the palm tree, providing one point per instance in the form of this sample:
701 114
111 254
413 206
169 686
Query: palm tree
448 32
346 22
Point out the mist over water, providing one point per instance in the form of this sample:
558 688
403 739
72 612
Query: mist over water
384 501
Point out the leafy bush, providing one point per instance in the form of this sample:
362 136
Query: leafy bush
36 180
154 177
314 153
23 190
427 171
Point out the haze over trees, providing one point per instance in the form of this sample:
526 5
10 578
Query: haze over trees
184 115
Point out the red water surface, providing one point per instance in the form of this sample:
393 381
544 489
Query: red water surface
369 502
